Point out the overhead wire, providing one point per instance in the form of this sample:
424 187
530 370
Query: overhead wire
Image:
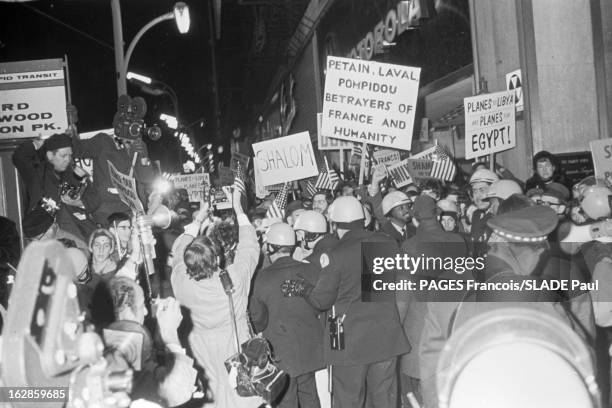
58 21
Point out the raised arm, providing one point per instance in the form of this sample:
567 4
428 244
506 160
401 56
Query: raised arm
247 252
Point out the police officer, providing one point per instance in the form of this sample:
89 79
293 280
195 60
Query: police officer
311 231
291 325
367 336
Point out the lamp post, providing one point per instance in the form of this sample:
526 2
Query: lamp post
180 14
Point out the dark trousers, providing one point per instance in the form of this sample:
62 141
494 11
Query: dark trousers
301 392
376 380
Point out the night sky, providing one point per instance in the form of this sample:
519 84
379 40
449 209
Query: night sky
183 61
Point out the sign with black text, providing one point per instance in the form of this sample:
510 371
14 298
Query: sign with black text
126 186
285 159
489 124
329 143
371 102
602 157
196 185
400 174
387 157
32 99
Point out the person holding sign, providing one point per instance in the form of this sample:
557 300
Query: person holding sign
126 151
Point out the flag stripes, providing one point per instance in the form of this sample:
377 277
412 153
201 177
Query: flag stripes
277 209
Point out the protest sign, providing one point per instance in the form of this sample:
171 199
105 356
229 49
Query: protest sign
196 185
32 99
243 159
400 174
285 159
329 143
387 157
489 123
126 186
577 165
602 157
370 102
419 168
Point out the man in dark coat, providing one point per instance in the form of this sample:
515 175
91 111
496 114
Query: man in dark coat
372 336
44 166
291 325
430 240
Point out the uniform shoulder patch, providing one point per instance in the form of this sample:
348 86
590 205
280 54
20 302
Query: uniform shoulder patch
324 260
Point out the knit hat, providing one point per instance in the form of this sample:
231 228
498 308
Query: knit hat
57 141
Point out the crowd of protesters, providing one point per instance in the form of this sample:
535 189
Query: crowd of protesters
294 258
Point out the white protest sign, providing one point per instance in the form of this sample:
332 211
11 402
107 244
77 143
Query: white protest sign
387 157
285 159
329 143
489 124
196 185
32 98
126 186
400 173
602 157
515 83
371 102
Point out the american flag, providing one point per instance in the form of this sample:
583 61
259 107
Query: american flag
323 181
239 183
333 176
357 151
277 209
309 188
443 165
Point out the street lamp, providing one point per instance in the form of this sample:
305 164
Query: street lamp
180 14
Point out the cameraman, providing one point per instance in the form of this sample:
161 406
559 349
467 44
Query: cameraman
44 166
128 153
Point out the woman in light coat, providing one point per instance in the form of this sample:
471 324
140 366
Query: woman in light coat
197 286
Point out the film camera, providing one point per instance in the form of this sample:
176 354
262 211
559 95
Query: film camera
74 191
129 120
44 340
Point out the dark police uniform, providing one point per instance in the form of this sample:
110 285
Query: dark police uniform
293 329
372 331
